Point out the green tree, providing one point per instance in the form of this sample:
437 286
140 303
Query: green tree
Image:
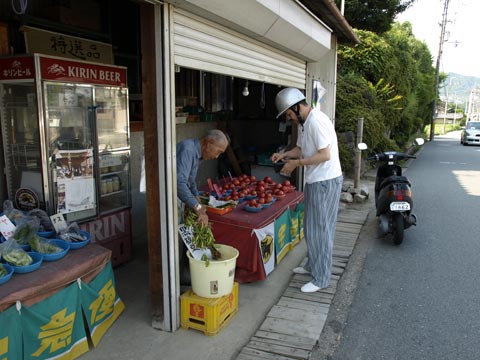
373 15
388 80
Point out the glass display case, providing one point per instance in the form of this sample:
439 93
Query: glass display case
66 136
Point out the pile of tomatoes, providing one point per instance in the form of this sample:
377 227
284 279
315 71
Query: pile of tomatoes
255 193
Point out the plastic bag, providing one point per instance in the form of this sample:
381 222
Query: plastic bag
25 231
43 245
13 254
45 223
12 213
72 233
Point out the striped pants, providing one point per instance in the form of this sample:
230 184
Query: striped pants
321 209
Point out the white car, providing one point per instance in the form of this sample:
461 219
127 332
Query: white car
471 133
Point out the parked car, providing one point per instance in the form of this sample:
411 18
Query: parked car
471 133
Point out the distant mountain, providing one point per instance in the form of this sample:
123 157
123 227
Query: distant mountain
459 86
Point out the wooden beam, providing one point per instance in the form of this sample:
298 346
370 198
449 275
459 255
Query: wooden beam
149 91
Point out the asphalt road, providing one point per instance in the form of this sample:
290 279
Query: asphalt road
419 300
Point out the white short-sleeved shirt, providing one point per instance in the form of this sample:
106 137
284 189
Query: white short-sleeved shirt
318 133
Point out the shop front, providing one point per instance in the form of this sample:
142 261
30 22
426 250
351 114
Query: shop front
224 65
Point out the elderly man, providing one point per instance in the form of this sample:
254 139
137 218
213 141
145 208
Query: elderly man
190 153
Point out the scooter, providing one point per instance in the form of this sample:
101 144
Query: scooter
393 194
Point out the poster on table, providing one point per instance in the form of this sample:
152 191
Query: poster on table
296 224
101 303
266 243
282 235
11 335
75 181
54 327
301 209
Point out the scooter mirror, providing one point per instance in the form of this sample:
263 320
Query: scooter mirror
419 141
362 146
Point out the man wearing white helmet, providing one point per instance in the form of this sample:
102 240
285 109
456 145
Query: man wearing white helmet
317 150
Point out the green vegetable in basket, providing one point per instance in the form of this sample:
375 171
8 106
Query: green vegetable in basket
202 236
3 271
42 246
24 233
18 257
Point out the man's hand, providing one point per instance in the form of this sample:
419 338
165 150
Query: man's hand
277 157
201 212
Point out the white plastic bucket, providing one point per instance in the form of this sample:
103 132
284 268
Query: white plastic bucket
216 279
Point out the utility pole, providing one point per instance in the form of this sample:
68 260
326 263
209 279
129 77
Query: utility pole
437 68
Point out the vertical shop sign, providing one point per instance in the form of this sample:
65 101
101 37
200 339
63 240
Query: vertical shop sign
54 328
266 242
282 235
10 335
101 303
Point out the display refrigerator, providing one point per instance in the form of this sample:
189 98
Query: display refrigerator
66 143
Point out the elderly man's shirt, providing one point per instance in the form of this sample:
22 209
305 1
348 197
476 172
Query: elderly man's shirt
189 155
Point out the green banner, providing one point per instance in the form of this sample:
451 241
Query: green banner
282 235
10 335
54 328
101 303
296 224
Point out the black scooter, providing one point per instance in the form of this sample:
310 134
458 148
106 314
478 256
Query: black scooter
393 194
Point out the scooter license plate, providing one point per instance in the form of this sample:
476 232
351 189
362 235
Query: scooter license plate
399 206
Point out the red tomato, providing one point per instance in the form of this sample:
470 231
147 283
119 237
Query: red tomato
268 199
279 192
286 183
253 178
261 194
261 201
253 192
260 188
278 186
235 198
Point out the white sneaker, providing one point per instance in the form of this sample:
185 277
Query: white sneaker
300 270
309 288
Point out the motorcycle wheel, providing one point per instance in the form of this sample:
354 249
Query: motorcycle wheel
397 228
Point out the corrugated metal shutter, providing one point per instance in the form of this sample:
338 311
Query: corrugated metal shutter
204 45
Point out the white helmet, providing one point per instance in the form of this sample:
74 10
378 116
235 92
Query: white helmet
286 98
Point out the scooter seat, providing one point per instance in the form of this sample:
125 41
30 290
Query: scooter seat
395 179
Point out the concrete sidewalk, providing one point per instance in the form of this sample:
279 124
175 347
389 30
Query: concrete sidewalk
269 311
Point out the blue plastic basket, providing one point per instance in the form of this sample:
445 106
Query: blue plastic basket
80 244
46 234
37 261
57 256
252 209
4 279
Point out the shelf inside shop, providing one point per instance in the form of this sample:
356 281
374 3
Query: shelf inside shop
112 193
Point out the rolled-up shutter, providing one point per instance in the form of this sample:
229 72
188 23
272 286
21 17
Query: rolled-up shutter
204 45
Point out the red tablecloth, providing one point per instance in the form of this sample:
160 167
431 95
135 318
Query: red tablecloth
85 263
236 229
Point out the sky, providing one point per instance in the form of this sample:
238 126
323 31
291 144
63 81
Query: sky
462 28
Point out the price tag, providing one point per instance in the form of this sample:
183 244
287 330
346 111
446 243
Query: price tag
58 222
6 227
217 191
210 185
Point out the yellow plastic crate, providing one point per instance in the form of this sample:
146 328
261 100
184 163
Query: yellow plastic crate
208 315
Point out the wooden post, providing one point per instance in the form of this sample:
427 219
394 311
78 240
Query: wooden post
358 154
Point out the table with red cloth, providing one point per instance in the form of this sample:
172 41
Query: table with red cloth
30 288
236 229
